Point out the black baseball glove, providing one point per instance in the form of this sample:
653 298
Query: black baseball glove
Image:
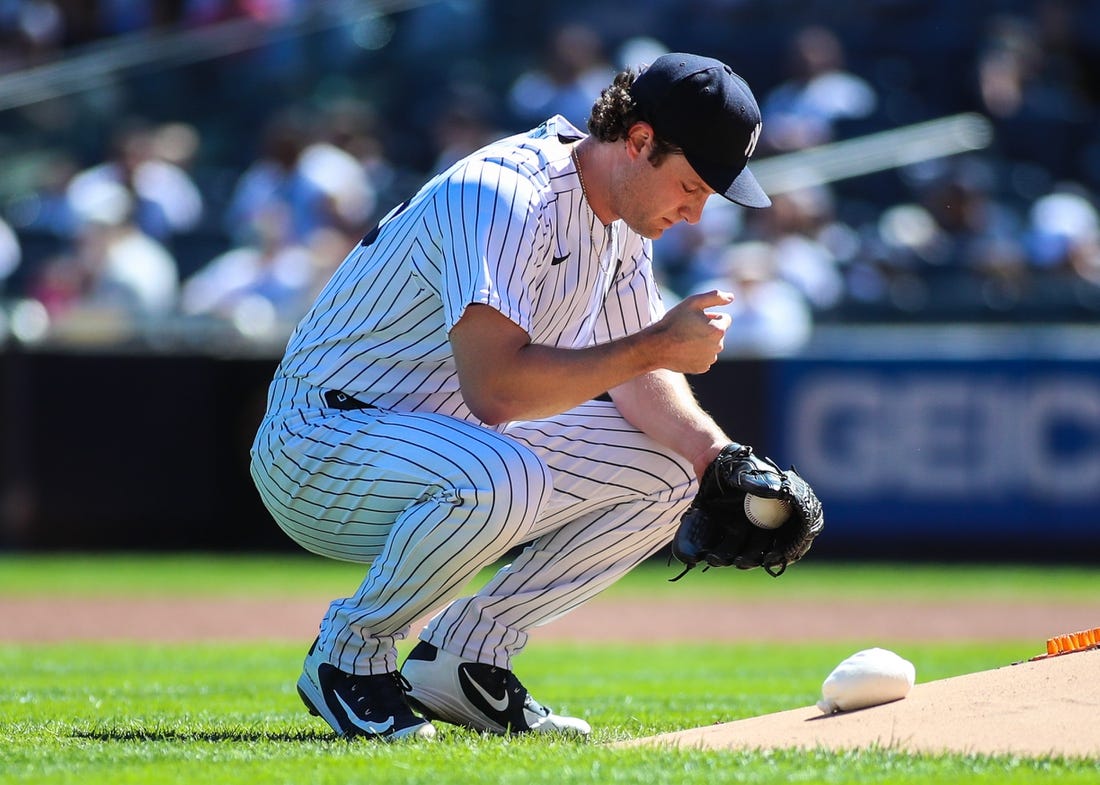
716 532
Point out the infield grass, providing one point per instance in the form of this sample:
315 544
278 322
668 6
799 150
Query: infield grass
200 574
228 713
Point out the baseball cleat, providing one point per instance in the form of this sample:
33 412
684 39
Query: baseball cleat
371 706
478 696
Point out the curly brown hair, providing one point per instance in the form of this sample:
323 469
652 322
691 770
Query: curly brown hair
615 113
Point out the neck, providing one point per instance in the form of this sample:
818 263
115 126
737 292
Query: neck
588 158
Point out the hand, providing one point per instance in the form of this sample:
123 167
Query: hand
693 336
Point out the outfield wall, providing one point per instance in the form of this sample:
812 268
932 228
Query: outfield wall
947 448
948 457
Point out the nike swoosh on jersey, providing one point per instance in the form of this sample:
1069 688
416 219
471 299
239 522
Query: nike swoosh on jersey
369 727
498 704
559 259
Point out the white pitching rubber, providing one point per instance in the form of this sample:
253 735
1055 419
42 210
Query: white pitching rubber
867 678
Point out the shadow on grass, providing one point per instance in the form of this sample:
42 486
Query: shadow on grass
191 735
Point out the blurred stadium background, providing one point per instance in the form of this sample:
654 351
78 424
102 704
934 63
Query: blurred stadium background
916 316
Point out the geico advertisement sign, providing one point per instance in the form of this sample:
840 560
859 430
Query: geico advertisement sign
947 435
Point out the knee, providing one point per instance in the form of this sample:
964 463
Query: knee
510 496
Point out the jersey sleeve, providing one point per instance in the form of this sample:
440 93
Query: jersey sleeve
489 231
634 299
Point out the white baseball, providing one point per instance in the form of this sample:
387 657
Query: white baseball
766 513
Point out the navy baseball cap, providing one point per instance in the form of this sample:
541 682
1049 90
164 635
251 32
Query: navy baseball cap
700 105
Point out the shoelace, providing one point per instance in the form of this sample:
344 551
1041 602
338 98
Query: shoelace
357 689
402 683
513 684
535 707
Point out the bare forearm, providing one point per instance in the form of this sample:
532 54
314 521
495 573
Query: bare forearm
505 376
546 380
662 405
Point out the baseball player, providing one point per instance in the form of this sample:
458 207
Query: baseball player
443 400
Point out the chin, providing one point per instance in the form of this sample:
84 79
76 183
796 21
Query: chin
650 232
652 229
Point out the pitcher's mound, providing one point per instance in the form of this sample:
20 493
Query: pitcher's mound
1039 708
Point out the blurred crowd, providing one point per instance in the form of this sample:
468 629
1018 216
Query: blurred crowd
219 194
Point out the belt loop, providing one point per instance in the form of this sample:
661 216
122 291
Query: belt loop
336 399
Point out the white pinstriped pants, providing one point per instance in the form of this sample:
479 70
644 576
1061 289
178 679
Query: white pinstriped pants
428 500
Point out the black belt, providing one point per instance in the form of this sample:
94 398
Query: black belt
339 400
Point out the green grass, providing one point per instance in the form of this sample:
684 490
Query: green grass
292 575
156 714
227 713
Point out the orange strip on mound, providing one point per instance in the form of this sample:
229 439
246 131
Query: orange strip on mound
1037 708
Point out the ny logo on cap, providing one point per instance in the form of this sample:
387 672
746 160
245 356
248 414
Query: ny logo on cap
753 139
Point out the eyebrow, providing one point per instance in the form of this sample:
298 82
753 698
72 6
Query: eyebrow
698 184
692 179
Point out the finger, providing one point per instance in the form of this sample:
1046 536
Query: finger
720 320
712 298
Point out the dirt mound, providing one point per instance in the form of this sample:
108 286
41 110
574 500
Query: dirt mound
1039 708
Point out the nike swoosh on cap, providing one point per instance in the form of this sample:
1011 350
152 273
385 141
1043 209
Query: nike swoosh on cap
559 259
369 727
498 704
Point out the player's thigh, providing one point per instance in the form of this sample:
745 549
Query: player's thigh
594 454
338 482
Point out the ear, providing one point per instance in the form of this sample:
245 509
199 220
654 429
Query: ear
639 138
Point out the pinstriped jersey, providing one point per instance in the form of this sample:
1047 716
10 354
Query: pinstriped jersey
507 227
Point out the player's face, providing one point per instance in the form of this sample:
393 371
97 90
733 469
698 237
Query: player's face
651 198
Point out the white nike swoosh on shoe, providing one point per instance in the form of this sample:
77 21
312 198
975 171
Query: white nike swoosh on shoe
499 704
363 725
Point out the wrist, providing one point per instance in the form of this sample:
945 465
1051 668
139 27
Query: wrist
706 456
653 347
